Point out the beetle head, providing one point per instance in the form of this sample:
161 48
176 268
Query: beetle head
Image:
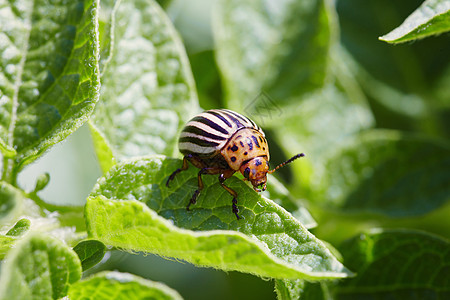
255 171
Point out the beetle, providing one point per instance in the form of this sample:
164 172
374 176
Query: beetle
221 141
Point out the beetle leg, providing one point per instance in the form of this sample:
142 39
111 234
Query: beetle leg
200 188
222 178
184 167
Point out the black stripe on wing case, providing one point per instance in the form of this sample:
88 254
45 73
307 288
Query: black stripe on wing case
201 132
199 142
210 123
243 119
234 119
220 117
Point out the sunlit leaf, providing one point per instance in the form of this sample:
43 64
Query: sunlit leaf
431 18
120 286
48 74
147 87
19 228
268 241
39 267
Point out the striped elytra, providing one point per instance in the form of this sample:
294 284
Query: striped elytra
221 141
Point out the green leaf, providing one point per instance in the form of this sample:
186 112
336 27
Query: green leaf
49 73
396 264
279 194
22 226
431 18
300 289
6 243
147 87
267 242
7 150
121 286
11 200
279 47
39 267
412 69
106 23
385 172
102 148
41 182
90 253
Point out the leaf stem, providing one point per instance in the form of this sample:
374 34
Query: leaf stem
8 173
52 207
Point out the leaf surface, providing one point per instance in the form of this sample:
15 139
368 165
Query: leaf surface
396 264
147 87
131 208
11 200
39 267
48 73
90 253
431 18
279 47
385 172
120 286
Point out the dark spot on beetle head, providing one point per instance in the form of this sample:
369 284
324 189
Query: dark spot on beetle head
233 158
234 148
246 172
258 163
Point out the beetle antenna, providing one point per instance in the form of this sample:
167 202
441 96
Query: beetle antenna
287 162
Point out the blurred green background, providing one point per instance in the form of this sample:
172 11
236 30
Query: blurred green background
406 87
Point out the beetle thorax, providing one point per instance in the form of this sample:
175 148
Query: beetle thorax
244 145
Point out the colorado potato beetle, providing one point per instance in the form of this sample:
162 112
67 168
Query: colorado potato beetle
221 141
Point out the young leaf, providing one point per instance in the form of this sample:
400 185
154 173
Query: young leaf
267 242
387 173
39 267
90 253
279 47
431 18
20 228
6 242
396 264
49 74
147 86
41 182
102 148
121 286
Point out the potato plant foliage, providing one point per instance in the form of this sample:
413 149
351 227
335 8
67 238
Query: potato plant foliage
364 215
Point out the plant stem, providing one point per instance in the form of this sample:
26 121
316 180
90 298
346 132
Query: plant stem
8 173
52 207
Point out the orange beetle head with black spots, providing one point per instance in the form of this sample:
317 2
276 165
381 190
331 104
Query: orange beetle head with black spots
255 171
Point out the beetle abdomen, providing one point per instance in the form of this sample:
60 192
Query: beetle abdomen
207 133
